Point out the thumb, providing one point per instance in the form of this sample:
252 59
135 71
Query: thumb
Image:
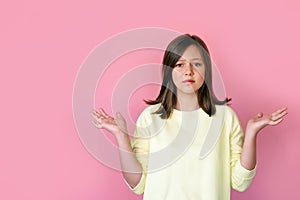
120 120
259 115
119 116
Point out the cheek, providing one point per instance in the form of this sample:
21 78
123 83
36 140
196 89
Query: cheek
201 73
176 76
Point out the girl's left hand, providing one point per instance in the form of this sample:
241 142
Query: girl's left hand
260 121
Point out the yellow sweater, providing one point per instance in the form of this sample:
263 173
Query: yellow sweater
190 156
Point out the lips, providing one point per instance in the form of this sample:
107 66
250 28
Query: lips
189 81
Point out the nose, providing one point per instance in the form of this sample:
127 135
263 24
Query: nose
189 70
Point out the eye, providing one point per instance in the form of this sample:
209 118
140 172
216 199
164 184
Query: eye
197 64
179 65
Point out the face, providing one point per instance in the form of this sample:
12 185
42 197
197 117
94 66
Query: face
188 73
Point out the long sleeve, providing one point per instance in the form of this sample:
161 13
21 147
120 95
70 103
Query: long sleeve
187 176
240 177
140 146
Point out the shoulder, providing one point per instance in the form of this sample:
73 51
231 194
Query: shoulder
149 110
227 110
147 114
230 117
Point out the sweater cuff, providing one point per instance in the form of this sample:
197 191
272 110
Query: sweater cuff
243 172
139 188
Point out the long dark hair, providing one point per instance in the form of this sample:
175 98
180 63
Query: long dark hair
167 95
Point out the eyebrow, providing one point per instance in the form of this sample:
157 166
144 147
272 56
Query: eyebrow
181 59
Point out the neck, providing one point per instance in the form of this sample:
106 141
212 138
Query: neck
187 102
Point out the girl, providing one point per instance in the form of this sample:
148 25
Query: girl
179 121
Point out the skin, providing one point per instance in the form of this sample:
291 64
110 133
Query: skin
189 67
117 126
254 126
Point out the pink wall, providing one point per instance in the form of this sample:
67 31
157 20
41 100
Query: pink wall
255 46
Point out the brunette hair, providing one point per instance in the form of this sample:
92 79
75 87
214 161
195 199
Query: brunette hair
167 95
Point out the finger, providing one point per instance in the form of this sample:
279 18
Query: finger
120 116
259 115
120 120
95 113
275 117
98 113
97 125
98 119
104 114
279 111
272 123
101 110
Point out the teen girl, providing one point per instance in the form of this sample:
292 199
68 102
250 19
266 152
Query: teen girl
185 108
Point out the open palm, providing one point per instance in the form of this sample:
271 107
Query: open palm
103 120
260 121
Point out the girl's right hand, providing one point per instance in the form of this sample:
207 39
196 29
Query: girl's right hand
115 126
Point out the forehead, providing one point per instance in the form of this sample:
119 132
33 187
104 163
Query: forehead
191 53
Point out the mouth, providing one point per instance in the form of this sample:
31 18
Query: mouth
189 81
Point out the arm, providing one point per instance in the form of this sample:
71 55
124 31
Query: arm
131 167
254 125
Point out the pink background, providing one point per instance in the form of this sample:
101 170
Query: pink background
42 45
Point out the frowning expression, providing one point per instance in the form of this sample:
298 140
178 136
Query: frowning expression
188 73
